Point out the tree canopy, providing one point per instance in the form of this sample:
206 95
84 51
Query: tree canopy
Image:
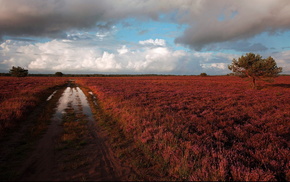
254 67
18 72
203 74
58 74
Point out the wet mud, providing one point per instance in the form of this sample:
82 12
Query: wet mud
56 157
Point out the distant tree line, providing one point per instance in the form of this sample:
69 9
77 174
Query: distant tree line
249 65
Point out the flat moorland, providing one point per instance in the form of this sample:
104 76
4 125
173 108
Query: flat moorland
19 95
198 128
159 127
49 134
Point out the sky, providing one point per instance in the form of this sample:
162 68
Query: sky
182 37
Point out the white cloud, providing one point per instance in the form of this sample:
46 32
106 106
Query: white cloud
210 25
203 55
102 35
123 50
222 66
283 60
73 56
156 42
70 56
107 62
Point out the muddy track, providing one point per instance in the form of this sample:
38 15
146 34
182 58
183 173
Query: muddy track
72 147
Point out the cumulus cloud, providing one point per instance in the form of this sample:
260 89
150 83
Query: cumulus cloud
70 57
52 18
123 50
208 21
49 18
83 33
239 20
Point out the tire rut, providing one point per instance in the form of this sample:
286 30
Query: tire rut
56 157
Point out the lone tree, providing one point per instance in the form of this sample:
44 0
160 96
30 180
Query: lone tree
254 67
18 72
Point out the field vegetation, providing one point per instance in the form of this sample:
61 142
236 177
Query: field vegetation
173 127
199 128
19 95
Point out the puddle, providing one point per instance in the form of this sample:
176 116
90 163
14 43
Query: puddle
48 98
84 103
94 98
73 96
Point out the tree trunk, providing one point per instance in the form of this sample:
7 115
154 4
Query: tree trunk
254 82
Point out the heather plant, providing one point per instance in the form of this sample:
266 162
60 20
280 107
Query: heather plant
18 96
209 128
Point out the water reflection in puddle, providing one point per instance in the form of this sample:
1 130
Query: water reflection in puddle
48 98
94 98
73 96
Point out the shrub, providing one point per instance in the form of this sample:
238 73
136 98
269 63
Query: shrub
203 74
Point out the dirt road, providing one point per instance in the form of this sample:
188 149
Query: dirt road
73 147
